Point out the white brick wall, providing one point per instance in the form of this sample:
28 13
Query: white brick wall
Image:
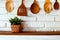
45 18
33 22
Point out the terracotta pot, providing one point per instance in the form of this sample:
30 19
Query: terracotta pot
16 28
35 7
22 11
47 6
56 5
9 5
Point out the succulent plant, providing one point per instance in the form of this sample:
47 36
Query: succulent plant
15 21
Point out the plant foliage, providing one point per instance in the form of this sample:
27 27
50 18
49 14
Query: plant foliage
15 21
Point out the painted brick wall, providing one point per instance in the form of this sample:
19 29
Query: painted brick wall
33 22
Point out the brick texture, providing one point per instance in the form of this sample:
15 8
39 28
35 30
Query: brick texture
32 22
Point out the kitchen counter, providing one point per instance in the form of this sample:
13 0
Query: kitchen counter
30 33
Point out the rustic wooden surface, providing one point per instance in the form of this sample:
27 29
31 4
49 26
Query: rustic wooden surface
30 33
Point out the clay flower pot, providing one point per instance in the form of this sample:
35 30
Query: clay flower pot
9 5
47 6
56 5
16 28
35 7
16 24
22 11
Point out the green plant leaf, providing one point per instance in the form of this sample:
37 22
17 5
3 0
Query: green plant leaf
15 21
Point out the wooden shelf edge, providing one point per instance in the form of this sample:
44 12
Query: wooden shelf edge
30 33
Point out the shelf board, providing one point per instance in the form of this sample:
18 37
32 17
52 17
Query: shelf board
30 33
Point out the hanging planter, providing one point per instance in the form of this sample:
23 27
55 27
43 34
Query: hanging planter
22 11
56 5
47 6
9 5
35 7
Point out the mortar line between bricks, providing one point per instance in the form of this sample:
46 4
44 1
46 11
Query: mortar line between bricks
36 19
5 25
44 25
54 18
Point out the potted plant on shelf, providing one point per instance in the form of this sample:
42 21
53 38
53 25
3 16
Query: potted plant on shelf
16 24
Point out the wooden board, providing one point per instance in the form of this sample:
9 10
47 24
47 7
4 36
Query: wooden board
30 33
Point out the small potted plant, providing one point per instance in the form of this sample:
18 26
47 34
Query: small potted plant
16 24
